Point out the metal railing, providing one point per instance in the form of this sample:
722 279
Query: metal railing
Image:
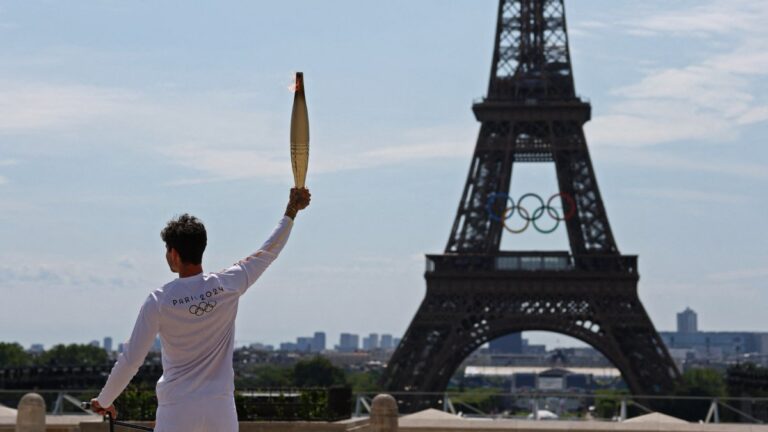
273 404
57 402
579 406
533 405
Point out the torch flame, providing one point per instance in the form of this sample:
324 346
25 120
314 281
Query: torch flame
296 84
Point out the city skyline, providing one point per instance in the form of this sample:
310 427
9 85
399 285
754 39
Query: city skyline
107 131
687 346
686 324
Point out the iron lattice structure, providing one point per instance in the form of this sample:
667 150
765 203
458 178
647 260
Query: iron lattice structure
475 291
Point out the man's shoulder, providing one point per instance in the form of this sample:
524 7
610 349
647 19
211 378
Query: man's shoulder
178 287
159 293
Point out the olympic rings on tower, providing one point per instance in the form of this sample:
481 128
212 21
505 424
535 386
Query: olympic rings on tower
527 216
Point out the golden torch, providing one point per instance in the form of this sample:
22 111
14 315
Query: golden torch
299 133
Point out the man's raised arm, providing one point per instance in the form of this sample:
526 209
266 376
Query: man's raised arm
246 271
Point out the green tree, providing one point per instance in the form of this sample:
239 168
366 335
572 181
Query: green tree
365 382
695 382
262 376
609 404
747 379
702 382
317 372
74 355
13 355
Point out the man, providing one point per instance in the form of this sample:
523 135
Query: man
195 318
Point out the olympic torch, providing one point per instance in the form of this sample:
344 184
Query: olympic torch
299 133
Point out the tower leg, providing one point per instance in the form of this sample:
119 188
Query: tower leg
458 316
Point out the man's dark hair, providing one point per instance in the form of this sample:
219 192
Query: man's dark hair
186 234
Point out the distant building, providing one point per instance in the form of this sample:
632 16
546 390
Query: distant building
716 345
348 342
371 342
304 344
690 344
156 346
523 379
120 348
36 348
288 346
555 380
94 343
386 342
262 347
686 321
396 342
108 344
318 342
508 344
533 348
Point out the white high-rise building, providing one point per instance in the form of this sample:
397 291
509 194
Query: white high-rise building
108 344
348 342
386 342
318 342
686 321
371 342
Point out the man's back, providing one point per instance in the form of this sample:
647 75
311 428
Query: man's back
195 318
197 333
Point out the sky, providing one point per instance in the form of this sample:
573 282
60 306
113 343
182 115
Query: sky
116 116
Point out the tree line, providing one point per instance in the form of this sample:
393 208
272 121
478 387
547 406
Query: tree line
13 355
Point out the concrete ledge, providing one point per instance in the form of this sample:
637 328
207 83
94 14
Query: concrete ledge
458 425
462 425
244 427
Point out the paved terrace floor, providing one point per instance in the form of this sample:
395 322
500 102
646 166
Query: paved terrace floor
429 421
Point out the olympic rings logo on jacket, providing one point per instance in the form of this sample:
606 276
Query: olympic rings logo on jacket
529 217
202 308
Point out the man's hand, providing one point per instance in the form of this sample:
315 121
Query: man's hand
98 409
299 200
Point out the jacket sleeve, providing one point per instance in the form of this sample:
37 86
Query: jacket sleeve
244 273
134 351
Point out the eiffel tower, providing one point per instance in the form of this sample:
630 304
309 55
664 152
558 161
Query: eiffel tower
477 292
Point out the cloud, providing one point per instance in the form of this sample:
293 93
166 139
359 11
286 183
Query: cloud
5 163
127 263
42 106
641 123
226 164
741 274
754 115
222 164
69 273
587 27
713 18
689 195
707 100
667 161
210 133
